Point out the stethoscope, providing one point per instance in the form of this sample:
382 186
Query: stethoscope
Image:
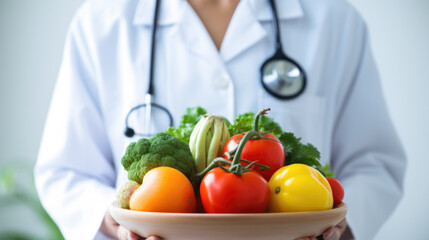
281 76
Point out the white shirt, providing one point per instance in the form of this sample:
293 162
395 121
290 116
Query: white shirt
105 70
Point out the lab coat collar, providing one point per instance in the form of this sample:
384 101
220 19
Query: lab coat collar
169 12
245 28
286 9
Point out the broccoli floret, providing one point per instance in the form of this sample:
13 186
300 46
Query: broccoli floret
162 149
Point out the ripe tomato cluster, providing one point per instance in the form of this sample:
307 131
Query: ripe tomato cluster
257 180
254 179
243 192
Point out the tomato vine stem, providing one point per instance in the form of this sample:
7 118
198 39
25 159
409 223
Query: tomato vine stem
235 166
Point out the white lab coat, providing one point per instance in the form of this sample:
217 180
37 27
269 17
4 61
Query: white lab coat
104 74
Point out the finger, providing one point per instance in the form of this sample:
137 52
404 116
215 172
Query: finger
342 225
333 233
125 234
133 236
122 233
153 238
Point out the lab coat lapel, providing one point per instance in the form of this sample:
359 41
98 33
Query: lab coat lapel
188 25
245 28
195 36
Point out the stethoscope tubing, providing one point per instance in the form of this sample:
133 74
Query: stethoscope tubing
153 47
144 105
273 7
148 103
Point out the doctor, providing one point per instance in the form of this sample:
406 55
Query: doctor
209 53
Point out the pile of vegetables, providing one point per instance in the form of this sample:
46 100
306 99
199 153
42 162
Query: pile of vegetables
296 152
198 166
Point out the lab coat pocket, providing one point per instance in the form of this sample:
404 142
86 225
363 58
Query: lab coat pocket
304 116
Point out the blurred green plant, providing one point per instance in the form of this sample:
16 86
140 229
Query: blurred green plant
17 188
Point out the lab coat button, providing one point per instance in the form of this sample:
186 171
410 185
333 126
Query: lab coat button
222 81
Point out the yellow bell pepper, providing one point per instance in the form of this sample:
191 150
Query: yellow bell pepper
299 188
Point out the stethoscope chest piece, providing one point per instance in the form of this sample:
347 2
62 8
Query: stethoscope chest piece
281 76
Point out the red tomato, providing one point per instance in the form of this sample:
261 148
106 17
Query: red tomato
337 190
262 151
225 192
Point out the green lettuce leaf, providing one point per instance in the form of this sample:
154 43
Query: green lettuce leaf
187 124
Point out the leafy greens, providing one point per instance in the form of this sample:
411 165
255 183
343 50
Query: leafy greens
295 150
187 124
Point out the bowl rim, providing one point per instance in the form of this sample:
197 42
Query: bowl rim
336 210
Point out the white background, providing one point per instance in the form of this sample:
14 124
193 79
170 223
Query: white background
32 35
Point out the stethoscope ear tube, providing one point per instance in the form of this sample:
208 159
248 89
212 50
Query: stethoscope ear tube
153 47
148 104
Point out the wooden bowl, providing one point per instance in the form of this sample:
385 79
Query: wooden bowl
177 226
